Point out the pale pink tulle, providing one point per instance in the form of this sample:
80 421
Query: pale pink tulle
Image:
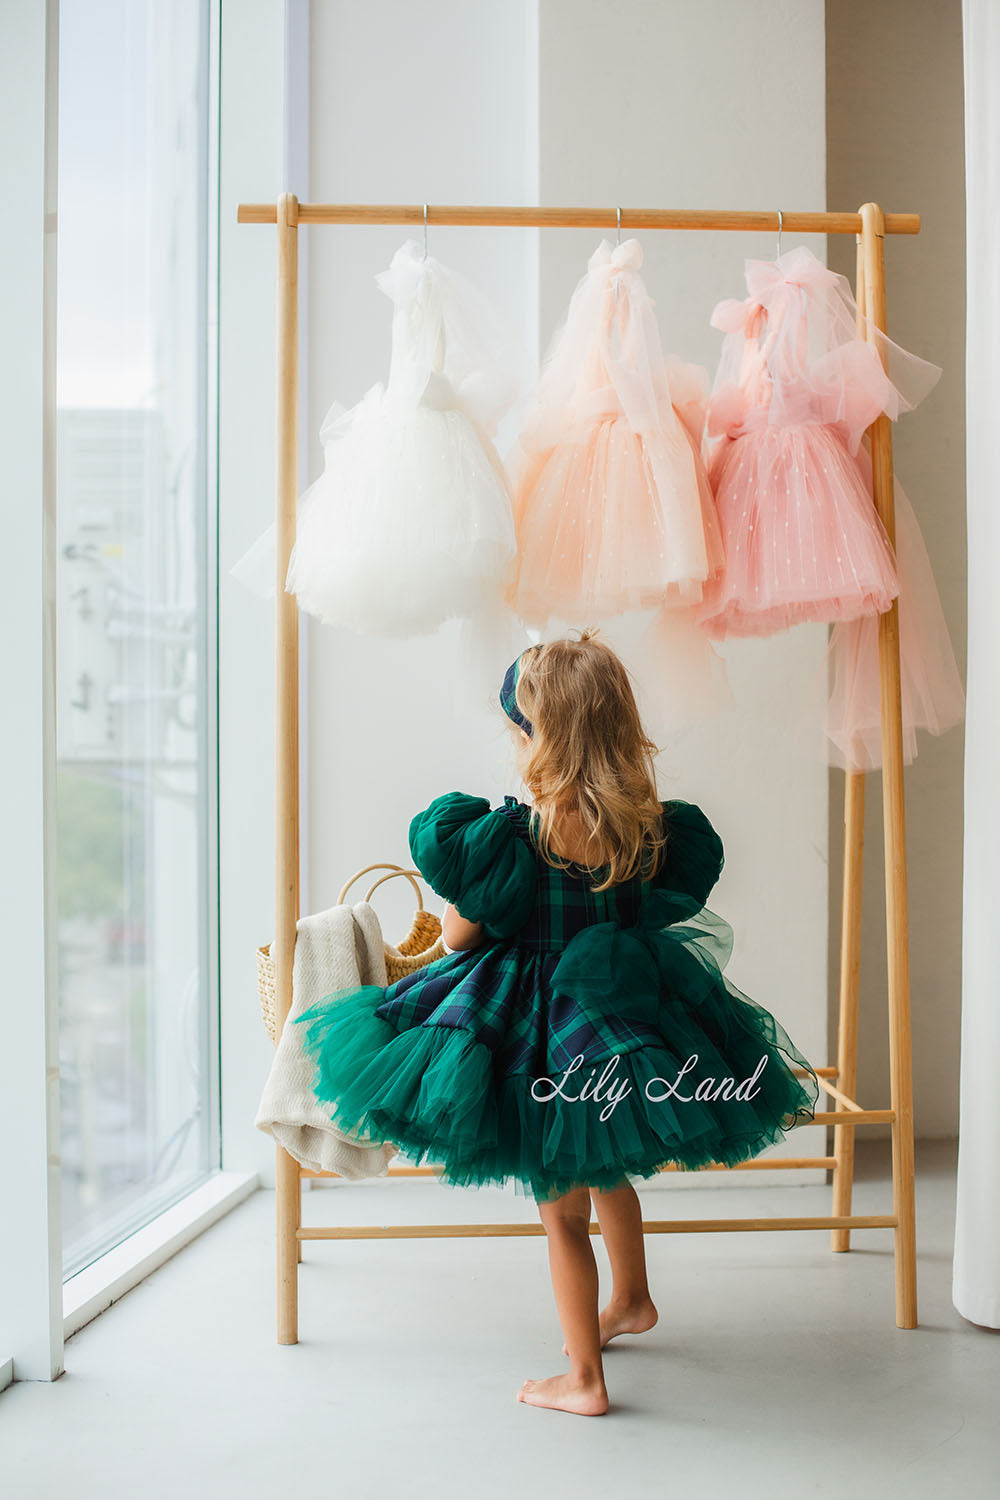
612 506
931 688
811 357
803 539
795 389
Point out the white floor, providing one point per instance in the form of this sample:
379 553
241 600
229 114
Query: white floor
776 1370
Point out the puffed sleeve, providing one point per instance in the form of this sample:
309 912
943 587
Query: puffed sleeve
473 858
693 857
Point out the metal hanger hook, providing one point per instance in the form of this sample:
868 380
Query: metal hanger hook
780 221
425 231
616 279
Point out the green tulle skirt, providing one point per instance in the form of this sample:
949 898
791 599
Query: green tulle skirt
554 1071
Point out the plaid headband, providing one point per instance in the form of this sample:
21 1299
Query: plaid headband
508 700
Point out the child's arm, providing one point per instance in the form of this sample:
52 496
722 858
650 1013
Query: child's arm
458 933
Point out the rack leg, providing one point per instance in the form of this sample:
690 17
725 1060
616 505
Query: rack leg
850 934
286 723
894 823
850 967
298 1213
287 1209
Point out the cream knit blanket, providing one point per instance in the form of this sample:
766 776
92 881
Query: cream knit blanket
340 948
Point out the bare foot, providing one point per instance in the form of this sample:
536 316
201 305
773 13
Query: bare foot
633 1317
563 1393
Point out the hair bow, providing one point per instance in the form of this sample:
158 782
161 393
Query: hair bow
508 696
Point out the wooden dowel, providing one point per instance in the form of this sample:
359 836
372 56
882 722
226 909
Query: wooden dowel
650 1226
288 1187
757 1165
843 1099
498 217
849 1118
894 819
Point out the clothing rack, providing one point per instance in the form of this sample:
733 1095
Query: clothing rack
870 225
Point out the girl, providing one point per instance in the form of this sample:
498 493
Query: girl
581 1031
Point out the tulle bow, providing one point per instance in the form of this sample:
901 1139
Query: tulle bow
733 316
825 363
404 273
799 268
677 948
448 339
627 256
608 348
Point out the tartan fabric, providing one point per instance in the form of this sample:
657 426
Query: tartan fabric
502 992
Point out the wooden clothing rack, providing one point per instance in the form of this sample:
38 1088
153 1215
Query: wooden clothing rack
870 225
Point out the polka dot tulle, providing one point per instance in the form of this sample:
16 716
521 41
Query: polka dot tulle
612 505
797 385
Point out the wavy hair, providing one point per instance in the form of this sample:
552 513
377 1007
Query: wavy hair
589 754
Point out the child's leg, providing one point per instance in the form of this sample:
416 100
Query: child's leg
574 1281
631 1309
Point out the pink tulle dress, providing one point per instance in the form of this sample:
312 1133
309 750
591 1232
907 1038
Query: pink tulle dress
613 510
796 388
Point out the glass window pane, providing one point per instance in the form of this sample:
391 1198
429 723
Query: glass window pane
136 605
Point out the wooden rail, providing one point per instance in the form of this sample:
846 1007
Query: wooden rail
467 216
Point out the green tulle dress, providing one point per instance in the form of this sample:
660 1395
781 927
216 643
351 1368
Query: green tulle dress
592 1038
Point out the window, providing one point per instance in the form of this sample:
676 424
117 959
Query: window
136 612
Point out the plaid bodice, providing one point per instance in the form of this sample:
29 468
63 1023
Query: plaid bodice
544 925
565 901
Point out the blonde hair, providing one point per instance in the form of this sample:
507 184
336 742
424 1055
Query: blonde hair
589 754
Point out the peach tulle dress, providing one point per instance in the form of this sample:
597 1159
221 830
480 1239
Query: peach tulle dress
796 388
613 510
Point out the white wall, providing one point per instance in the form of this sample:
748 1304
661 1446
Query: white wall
556 101
895 134
643 103
444 113
410 103
690 106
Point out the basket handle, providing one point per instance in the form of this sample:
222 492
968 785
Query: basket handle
410 876
393 870
383 865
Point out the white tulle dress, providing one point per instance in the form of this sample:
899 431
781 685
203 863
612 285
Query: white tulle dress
410 523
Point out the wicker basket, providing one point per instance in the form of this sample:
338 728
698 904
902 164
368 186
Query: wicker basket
421 945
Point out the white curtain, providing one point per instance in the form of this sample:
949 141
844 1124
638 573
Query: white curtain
976 1286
